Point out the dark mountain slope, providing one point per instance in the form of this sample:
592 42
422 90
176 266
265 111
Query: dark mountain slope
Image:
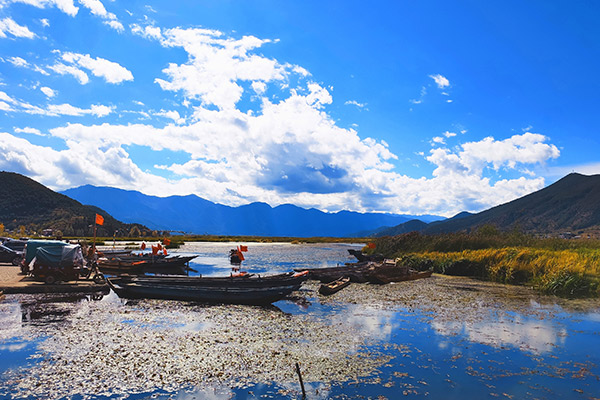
196 215
570 204
25 202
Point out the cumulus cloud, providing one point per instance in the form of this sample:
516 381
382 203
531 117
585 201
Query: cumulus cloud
529 148
440 80
216 65
65 6
286 149
9 26
111 71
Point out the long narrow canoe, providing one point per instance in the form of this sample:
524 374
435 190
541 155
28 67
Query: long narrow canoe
330 288
248 289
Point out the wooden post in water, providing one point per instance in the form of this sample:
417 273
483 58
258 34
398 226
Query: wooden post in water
301 382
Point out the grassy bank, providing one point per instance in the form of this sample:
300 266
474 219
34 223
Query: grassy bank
555 266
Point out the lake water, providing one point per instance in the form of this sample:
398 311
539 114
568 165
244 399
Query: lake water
442 337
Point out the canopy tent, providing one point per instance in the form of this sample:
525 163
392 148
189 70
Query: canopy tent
33 245
60 257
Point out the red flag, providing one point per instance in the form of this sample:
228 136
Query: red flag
166 241
243 248
371 245
143 246
99 219
154 250
165 252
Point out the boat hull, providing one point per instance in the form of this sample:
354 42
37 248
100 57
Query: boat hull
231 290
334 287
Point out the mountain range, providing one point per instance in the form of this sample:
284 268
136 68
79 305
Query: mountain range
571 204
25 202
192 214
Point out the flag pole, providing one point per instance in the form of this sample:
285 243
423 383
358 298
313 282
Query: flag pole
95 223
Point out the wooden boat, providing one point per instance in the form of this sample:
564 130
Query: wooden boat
119 266
384 275
244 289
356 272
361 257
327 289
136 264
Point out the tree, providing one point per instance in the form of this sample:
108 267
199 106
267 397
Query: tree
2 229
22 231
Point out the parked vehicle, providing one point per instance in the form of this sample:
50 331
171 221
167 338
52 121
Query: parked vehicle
52 261
10 255
17 245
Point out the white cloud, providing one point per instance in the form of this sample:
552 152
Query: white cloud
147 32
29 130
68 109
529 148
18 62
286 149
215 65
8 25
174 115
438 140
65 6
259 87
421 97
112 72
63 69
97 8
45 22
53 110
441 81
355 103
592 168
48 92
5 106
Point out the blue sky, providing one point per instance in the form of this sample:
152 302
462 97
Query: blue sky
425 107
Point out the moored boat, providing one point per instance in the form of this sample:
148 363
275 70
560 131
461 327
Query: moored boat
138 264
330 288
243 289
356 272
396 274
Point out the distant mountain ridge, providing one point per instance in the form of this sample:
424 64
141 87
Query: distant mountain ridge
571 204
25 202
193 214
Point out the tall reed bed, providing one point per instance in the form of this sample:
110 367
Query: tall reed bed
562 267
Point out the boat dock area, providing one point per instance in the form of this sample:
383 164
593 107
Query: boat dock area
12 282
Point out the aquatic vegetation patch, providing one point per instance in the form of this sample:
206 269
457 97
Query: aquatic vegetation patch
113 348
574 272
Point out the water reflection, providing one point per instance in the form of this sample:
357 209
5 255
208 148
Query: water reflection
367 340
534 336
370 322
